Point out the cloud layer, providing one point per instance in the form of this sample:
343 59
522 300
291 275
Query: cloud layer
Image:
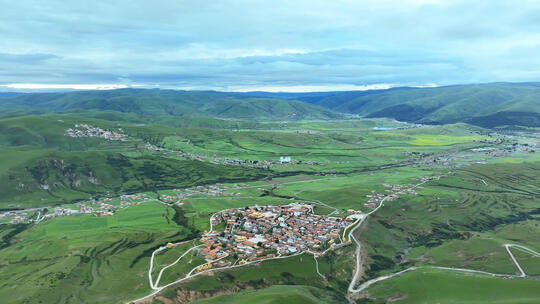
279 45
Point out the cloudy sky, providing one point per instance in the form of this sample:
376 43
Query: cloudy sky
266 45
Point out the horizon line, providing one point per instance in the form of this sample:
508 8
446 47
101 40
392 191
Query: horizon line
62 88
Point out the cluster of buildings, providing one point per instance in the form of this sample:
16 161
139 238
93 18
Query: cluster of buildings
105 208
392 190
212 190
265 164
132 199
498 147
102 207
260 232
14 216
440 160
407 126
84 130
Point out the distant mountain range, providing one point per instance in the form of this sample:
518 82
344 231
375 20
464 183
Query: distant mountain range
486 105
168 103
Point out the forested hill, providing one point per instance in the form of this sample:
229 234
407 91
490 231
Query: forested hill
168 103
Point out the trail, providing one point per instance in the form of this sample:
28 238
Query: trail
317 268
156 284
152 265
191 275
522 274
367 284
354 280
514 260
318 202
38 218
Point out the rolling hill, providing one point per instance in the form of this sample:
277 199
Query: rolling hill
51 177
486 105
167 103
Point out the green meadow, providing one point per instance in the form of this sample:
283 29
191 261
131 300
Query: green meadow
461 220
438 286
273 295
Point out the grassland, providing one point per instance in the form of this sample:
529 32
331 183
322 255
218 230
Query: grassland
444 226
437 286
81 258
63 177
459 221
452 221
273 295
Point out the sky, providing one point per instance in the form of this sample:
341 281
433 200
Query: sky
272 45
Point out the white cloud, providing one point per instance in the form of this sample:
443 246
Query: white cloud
298 88
41 86
427 85
278 44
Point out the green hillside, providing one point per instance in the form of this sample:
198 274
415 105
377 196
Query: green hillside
47 131
61 177
167 103
274 295
487 105
435 286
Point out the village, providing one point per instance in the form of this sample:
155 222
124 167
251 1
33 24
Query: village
84 130
96 207
261 232
210 190
107 206
392 191
264 164
499 147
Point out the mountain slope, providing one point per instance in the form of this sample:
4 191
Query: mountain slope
51 177
487 105
169 103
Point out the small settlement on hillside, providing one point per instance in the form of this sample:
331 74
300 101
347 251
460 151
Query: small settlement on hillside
84 130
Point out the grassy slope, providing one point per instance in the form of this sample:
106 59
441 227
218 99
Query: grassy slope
37 154
420 222
449 222
272 295
86 259
504 103
444 287
170 103
399 224
75 176
47 131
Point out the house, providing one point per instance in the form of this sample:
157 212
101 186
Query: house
284 159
